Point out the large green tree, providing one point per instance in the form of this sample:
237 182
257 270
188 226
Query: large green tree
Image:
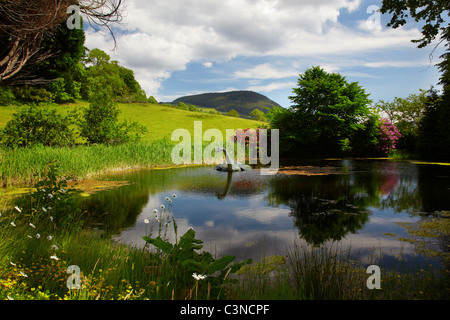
103 74
326 111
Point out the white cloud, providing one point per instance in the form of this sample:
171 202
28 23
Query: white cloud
272 86
263 215
396 64
266 71
159 37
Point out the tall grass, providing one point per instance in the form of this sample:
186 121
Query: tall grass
328 273
23 166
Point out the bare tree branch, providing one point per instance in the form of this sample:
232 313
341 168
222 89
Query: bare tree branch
24 24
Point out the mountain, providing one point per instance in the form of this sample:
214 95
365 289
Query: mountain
243 102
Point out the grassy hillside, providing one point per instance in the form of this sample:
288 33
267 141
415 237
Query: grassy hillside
243 102
160 120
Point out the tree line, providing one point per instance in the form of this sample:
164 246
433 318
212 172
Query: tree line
331 117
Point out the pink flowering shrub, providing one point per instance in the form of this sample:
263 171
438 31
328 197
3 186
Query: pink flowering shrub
244 135
388 136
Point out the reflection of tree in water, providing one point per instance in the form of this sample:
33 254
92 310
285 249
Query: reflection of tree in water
115 210
324 208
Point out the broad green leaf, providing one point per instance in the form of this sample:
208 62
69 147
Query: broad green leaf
220 264
165 246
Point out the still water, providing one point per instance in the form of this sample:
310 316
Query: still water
357 204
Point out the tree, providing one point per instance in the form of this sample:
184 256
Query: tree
100 122
233 113
26 25
326 111
432 13
406 114
103 74
434 140
433 136
257 115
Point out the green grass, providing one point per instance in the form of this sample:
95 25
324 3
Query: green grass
25 166
160 120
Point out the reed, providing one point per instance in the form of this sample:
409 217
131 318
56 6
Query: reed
24 166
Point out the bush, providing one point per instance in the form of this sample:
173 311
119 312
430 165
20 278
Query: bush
100 123
388 136
35 125
6 95
233 113
32 94
258 115
58 90
182 106
152 100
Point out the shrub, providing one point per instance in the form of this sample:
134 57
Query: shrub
152 100
233 113
388 136
32 94
100 123
36 125
58 90
6 95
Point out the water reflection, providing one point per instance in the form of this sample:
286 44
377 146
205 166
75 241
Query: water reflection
249 215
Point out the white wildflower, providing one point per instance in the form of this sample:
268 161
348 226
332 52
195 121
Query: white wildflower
50 196
13 224
162 207
49 238
167 199
198 276
174 196
51 218
38 235
54 247
146 221
54 257
12 263
9 298
43 209
23 274
17 208
32 225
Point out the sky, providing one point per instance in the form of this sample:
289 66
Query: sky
186 47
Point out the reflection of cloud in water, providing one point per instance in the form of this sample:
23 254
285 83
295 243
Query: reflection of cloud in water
256 217
263 214
220 240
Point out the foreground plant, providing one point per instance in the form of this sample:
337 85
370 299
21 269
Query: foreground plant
184 256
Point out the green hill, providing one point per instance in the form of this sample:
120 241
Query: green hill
160 120
243 102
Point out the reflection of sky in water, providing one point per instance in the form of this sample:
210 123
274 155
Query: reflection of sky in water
255 217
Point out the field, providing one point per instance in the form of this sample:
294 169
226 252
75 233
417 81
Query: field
160 120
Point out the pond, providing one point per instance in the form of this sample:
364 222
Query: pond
369 206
